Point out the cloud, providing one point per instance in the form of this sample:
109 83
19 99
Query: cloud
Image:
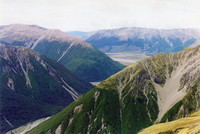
100 14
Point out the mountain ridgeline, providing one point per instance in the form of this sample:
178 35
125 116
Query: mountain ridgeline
76 55
157 89
33 86
145 40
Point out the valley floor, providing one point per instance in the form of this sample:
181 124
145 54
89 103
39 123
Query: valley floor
126 58
25 128
95 83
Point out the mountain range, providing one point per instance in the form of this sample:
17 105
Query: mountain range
76 55
157 89
159 94
33 86
145 40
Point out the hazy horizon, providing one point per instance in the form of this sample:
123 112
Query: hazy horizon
92 15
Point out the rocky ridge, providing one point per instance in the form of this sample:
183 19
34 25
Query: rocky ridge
33 86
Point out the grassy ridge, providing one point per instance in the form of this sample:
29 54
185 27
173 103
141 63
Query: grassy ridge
91 114
86 62
188 125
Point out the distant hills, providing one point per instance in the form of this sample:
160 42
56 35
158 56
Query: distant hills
81 35
33 86
76 55
160 88
145 40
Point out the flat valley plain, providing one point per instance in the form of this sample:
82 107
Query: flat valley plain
127 58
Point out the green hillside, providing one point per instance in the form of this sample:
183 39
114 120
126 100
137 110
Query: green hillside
157 89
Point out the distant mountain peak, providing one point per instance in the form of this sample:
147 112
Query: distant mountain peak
57 35
18 32
146 40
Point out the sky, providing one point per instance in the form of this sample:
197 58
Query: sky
91 15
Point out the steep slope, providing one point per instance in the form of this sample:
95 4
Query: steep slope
157 89
33 86
188 125
76 55
144 40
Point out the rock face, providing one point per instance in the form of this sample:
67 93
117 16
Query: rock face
157 89
32 86
76 55
146 40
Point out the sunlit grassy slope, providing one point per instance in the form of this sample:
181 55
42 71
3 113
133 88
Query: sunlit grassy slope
188 125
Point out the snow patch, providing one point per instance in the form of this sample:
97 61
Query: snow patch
96 95
95 83
72 92
43 64
10 84
28 83
145 94
70 121
14 70
7 121
78 108
58 130
64 52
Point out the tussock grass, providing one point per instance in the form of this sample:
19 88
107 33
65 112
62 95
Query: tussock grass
188 125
